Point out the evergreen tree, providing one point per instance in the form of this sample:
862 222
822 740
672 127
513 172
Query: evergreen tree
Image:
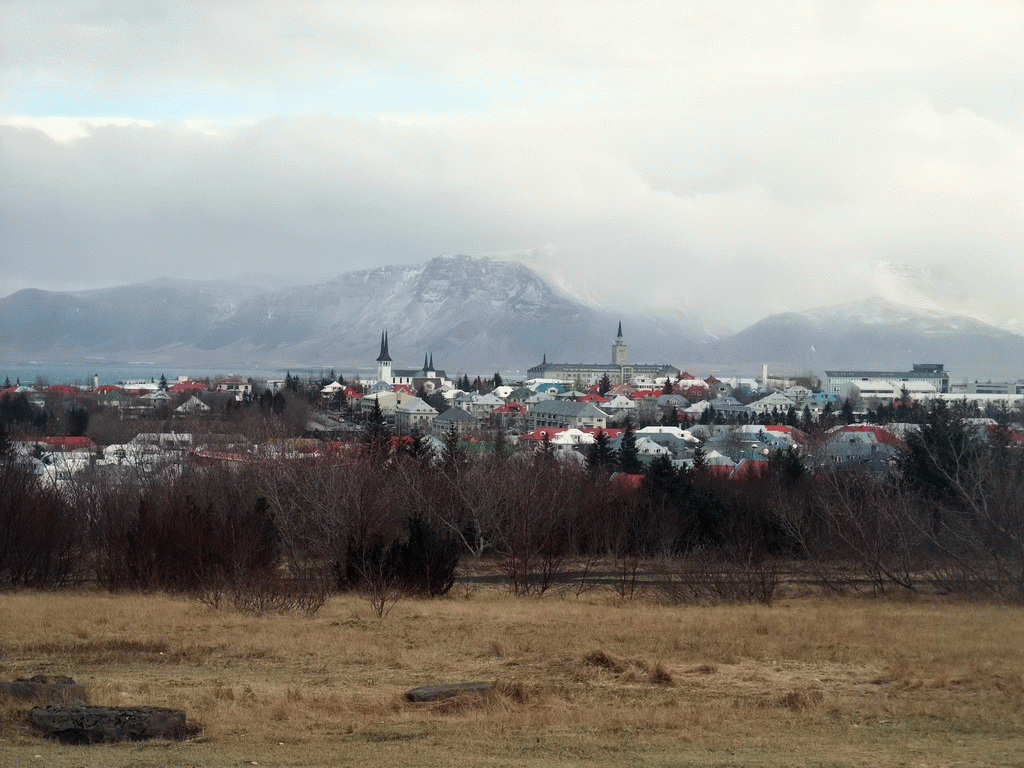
600 455
941 455
662 478
629 457
547 449
437 401
501 446
604 386
78 422
477 385
708 417
700 458
827 414
376 434
163 383
672 417
792 419
847 411
16 409
496 380
452 456
419 448
787 464
266 400
667 389
339 402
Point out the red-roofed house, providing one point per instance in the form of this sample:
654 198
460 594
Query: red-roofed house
63 389
695 393
60 442
187 387
507 415
643 394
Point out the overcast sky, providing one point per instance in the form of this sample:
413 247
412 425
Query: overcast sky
733 157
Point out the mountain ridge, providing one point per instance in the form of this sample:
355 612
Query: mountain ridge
475 314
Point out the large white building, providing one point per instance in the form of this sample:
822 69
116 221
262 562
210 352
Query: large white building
619 371
838 382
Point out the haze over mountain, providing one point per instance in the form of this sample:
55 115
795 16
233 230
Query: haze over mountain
471 313
874 334
474 314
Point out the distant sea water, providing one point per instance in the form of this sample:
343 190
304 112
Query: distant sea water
48 373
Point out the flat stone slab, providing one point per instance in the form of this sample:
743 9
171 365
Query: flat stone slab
448 691
94 725
44 689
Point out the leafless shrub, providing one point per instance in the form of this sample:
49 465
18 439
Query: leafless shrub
856 533
712 577
274 593
40 541
538 528
379 585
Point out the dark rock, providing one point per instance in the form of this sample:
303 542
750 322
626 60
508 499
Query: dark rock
93 725
44 689
447 691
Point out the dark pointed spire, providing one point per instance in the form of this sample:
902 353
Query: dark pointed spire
545 360
383 357
431 361
426 365
620 330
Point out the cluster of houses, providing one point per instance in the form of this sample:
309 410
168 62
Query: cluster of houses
729 425
139 399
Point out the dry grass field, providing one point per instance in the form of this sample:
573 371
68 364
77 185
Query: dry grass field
582 680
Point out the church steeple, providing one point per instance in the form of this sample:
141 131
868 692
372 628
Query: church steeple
384 357
384 360
620 356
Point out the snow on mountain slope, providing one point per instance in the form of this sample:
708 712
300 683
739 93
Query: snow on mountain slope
477 313
876 334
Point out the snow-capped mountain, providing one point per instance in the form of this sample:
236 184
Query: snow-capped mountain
876 334
969 286
472 313
475 315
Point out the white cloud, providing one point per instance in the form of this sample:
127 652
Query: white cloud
720 154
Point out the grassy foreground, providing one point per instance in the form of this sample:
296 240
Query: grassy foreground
808 682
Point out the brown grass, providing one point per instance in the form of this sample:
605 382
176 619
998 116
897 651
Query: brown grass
577 680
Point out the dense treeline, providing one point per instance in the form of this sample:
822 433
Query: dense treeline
285 533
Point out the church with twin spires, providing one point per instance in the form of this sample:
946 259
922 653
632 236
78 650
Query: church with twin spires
619 371
427 377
